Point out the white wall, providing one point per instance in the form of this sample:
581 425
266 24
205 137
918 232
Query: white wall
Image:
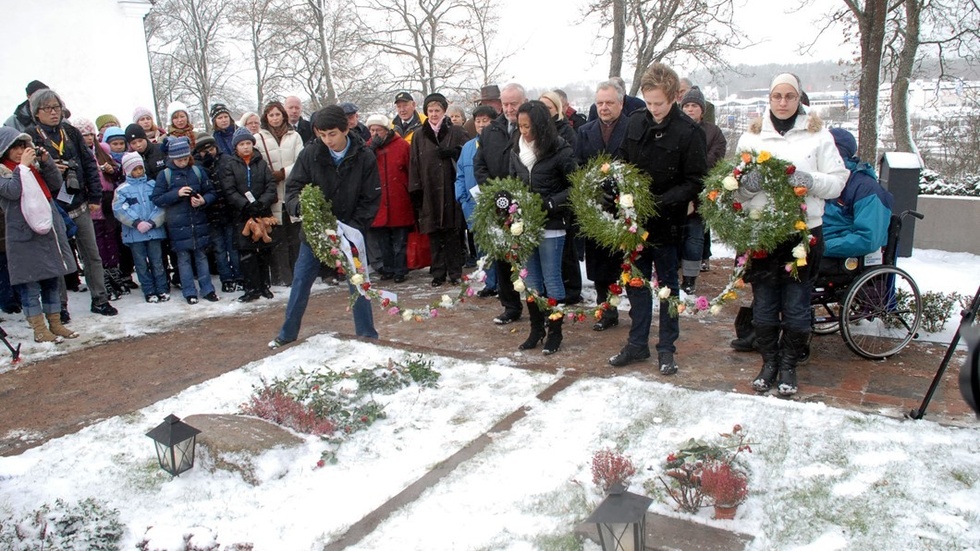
92 52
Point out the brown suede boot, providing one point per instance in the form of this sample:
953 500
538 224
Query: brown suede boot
54 322
41 332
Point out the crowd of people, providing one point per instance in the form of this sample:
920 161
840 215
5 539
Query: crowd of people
174 205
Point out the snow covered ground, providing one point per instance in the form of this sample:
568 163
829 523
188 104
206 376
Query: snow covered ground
821 478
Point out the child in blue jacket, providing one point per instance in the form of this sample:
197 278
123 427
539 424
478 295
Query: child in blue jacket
142 227
184 191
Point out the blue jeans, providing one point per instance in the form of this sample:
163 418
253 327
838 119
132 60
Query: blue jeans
641 299
693 250
186 269
304 274
40 297
148 261
790 299
392 242
544 268
225 253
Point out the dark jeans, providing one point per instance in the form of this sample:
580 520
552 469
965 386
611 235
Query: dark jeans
304 274
225 254
785 301
693 250
148 261
391 243
641 299
40 297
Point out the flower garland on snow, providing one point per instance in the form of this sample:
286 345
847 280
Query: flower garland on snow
508 225
756 232
325 237
619 230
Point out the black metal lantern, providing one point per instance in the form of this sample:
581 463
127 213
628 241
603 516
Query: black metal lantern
175 441
621 520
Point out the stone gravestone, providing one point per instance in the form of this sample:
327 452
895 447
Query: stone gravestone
230 442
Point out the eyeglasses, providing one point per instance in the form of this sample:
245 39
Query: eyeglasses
779 98
51 108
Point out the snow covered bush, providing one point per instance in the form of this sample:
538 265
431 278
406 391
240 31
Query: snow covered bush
88 525
933 183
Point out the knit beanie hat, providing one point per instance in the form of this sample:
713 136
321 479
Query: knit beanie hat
219 109
113 133
203 141
786 78
435 97
179 148
378 120
694 95
174 108
141 112
85 126
135 132
34 86
130 161
241 135
103 120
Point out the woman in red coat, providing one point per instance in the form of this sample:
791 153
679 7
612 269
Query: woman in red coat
396 216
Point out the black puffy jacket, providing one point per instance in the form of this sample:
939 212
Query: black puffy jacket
549 179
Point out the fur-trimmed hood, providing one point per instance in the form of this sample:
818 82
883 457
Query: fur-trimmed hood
813 122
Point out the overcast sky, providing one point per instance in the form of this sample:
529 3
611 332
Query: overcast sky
555 48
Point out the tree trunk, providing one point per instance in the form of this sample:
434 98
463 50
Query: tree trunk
871 22
903 74
619 38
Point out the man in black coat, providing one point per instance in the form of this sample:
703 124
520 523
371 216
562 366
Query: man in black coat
82 193
670 147
492 160
346 171
603 135
294 112
631 104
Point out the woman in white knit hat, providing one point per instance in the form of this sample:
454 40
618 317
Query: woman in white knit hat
781 301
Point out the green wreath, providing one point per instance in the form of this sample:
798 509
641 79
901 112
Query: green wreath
756 230
619 230
508 221
320 226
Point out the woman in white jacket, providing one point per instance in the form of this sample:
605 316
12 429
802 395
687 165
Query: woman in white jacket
781 301
280 145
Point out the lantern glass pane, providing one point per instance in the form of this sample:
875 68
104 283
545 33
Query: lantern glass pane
184 454
618 537
165 457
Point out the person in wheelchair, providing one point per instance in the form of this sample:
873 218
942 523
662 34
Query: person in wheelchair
856 223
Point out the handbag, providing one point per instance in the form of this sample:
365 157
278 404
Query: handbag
418 253
33 204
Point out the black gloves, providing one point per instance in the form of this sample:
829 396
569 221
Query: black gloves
608 201
449 152
255 209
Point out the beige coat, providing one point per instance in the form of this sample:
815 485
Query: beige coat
279 155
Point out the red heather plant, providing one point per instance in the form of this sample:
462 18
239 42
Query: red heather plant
280 408
727 486
610 467
685 467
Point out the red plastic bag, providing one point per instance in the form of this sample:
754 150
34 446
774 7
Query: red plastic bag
417 251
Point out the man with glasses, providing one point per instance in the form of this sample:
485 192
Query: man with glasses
80 196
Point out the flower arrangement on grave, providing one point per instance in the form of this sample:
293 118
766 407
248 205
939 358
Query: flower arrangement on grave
687 467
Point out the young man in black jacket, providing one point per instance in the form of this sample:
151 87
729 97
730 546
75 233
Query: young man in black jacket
346 171
670 147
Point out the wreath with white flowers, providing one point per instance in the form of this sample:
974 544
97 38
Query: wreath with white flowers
757 231
322 234
508 221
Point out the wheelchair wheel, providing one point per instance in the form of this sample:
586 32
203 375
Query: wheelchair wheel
881 312
826 319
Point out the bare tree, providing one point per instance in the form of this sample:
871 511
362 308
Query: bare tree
426 33
191 41
700 31
266 42
482 27
619 37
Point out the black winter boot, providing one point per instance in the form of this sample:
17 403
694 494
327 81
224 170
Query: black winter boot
554 336
744 331
790 351
118 280
537 327
767 340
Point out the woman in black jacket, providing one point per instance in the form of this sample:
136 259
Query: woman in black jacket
250 191
544 160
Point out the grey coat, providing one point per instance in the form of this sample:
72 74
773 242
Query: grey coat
32 256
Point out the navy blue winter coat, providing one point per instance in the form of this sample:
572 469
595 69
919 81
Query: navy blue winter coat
187 226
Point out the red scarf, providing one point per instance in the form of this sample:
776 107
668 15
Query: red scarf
44 186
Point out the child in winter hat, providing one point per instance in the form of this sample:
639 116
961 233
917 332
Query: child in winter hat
179 119
104 121
224 128
144 117
142 228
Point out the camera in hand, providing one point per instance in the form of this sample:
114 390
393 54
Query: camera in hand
72 185
38 151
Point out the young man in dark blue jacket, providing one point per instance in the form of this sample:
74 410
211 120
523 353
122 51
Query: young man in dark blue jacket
346 171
